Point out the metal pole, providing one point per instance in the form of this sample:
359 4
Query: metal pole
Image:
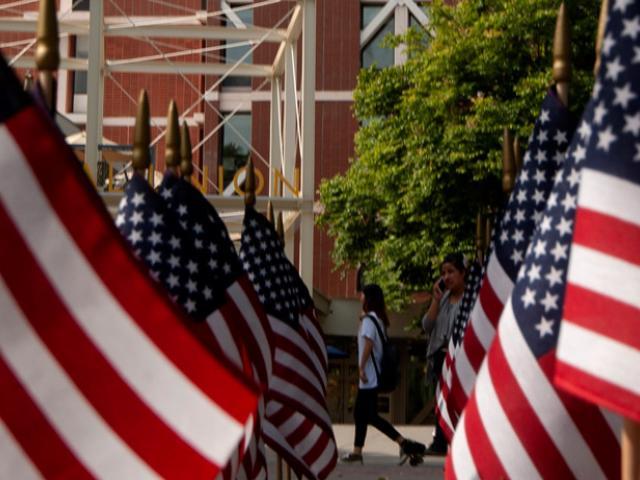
308 140
95 87
290 139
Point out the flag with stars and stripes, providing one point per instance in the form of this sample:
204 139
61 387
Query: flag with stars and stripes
99 376
472 285
236 317
517 424
602 303
545 153
297 423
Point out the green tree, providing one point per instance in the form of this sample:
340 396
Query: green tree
428 149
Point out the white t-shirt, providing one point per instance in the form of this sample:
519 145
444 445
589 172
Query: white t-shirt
369 330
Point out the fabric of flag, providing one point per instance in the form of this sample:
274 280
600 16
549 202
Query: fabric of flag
471 288
297 423
98 373
237 319
602 303
516 423
545 153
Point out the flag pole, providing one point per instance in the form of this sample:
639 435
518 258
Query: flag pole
47 52
142 135
562 55
172 139
630 450
508 163
602 21
481 236
186 165
270 216
250 184
517 153
280 228
28 81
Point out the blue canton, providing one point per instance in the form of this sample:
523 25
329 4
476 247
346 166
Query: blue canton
606 129
472 286
545 154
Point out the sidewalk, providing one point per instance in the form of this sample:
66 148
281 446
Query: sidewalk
381 456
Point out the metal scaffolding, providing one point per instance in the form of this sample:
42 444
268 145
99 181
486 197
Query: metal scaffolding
292 118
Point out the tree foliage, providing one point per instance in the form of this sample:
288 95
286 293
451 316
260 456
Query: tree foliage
428 150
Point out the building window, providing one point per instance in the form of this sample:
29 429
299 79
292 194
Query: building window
235 151
379 18
373 52
238 19
80 5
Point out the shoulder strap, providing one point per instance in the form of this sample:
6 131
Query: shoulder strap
383 339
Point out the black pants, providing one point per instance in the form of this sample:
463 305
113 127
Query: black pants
439 439
365 412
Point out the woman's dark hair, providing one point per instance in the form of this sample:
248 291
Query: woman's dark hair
374 301
457 260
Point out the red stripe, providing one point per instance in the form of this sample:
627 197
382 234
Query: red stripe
295 404
602 315
491 304
113 399
484 456
320 350
598 390
284 343
300 433
32 431
607 234
281 447
594 428
292 376
524 419
89 224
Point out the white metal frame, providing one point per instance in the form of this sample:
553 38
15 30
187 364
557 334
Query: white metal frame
292 129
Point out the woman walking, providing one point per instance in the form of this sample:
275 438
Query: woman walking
373 324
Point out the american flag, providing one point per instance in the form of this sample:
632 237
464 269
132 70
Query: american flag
297 423
472 285
516 423
99 375
238 321
602 303
545 153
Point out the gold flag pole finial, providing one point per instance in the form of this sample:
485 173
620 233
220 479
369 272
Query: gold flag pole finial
562 55
172 139
47 51
186 167
270 215
28 82
517 154
280 228
602 23
508 163
250 184
142 136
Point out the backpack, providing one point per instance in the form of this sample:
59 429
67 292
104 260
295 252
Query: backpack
387 372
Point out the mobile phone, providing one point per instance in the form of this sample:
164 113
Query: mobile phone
441 285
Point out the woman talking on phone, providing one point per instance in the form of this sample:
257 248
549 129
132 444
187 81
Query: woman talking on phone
438 324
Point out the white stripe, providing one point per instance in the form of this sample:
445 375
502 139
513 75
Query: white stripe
325 458
257 328
443 408
482 327
609 195
463 465
500 281
75 420
308 442
601 273
610 360
614 421
284 330
162 386
466 373
291 424
14 462
223 335
544 399
289 361
512 455
292 391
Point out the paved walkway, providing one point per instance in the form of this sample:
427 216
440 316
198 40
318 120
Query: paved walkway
381 456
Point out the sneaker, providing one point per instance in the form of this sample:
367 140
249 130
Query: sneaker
436 450
351 458
411 447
